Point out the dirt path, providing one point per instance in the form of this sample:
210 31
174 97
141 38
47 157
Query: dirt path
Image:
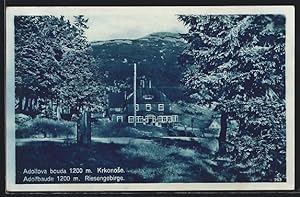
116 140
210 143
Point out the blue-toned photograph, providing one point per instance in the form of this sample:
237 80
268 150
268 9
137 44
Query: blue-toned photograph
150 98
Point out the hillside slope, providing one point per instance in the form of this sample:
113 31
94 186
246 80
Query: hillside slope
155 54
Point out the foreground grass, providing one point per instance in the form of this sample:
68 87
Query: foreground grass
171 163
143 162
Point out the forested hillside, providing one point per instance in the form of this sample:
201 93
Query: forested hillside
155 54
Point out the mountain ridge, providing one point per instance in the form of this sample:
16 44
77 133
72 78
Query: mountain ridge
156 55
148 36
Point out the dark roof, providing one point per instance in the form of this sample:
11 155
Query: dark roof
117 112
116 100
205 121
157 113
204 124
142 93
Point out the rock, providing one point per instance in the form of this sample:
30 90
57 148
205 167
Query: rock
21 118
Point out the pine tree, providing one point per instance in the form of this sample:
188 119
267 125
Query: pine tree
238 62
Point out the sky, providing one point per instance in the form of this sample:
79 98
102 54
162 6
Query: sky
132 22
130 26
117 24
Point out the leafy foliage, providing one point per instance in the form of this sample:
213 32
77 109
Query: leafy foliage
54 63
45 127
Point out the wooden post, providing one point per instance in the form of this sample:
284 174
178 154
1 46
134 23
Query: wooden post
84 129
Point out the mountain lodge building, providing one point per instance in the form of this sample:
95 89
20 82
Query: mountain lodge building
152 106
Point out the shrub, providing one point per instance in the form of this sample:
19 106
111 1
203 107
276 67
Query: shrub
23 123
46 127
22 119
24 131
258 158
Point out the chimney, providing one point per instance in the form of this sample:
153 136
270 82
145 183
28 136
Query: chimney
150 86
134 93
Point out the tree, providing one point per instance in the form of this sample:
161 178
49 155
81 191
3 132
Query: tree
80 87
238 62
54 63
37 69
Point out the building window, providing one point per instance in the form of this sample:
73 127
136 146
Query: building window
164 119
119 118
137 107
139 119
161 107
151 118
159 119
142 83
175 117
148 107
148 97
130 119
169 119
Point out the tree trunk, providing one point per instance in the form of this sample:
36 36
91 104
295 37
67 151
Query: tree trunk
58 111
37 103
18 106
51 105
54 107
242 125
23 103
29 105
223 132
33 100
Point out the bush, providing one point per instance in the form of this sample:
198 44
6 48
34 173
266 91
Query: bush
24 131
257 158
46 128
22 119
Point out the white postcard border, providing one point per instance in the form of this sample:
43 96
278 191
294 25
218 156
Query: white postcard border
288 11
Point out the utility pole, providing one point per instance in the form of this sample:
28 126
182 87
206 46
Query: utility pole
134 93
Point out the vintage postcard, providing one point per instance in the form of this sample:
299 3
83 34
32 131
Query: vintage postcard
150 98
